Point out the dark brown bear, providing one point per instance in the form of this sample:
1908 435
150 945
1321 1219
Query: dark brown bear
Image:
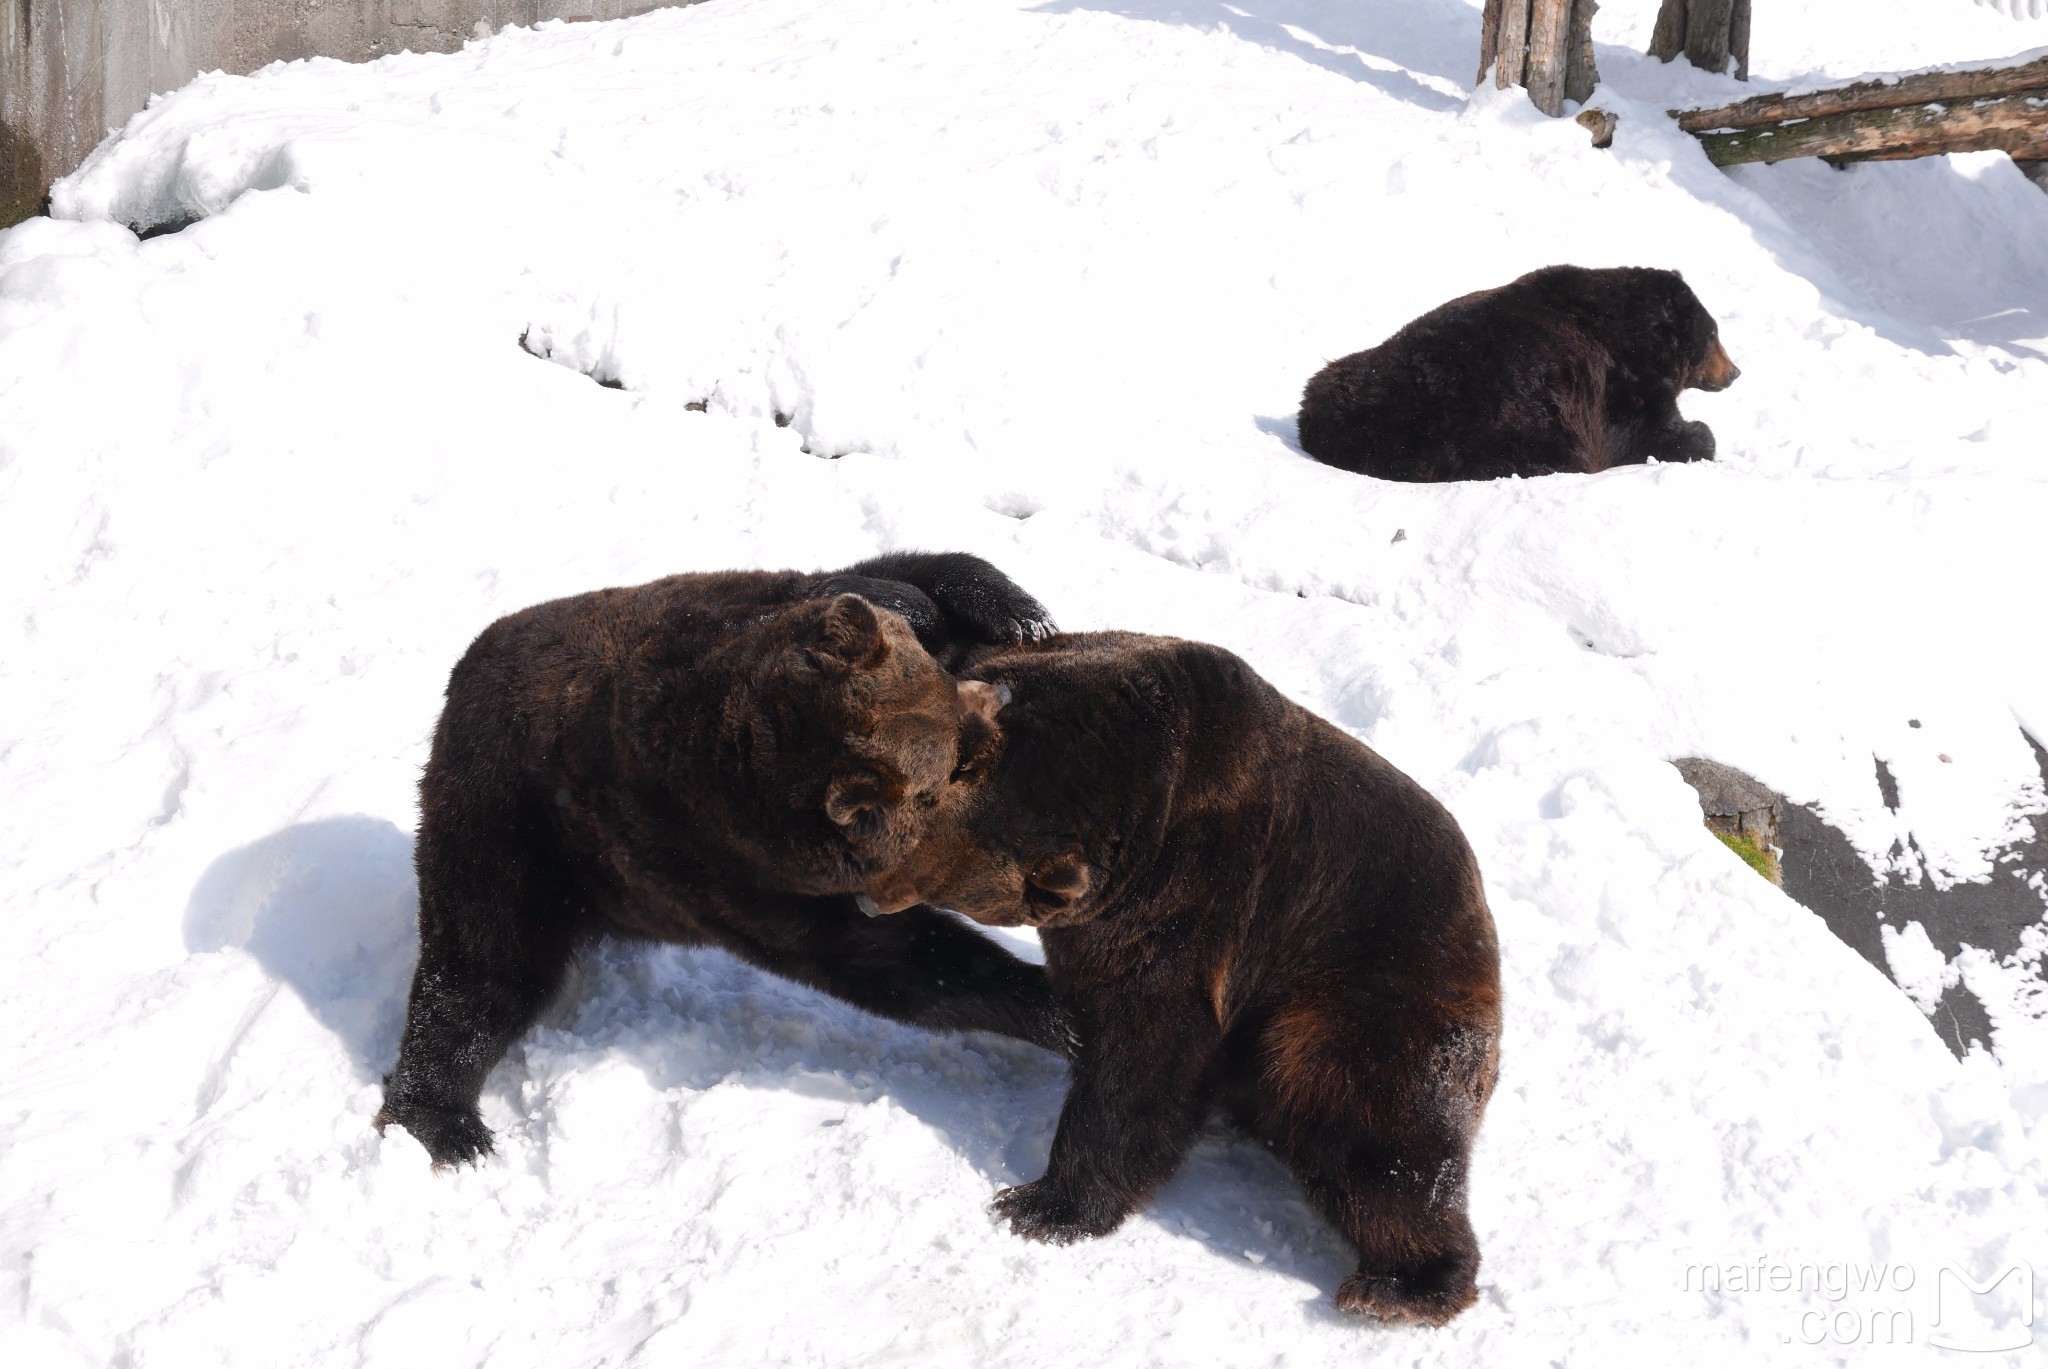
1239 904
719 759
1565 369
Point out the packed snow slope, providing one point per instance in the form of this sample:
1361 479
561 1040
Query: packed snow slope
1042 282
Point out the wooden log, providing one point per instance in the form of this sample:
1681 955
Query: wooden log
1514 43
1667 39
1580 75
1489 38
1546 45
1944 86
2016 124
1549 23
1706 33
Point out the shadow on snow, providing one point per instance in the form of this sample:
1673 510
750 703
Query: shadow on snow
329 908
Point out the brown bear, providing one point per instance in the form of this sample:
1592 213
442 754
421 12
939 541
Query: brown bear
1565 369
1240 904
716 759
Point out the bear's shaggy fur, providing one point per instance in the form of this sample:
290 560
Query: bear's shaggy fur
1565 369
719 759
1239 904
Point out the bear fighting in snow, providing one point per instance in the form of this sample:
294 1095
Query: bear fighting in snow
1565 369
718 759
1242 905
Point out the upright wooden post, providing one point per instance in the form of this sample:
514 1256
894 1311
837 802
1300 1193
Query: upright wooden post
1489 38
1667 37
1546 45
1548 21
1708 32
1580 75
1512 49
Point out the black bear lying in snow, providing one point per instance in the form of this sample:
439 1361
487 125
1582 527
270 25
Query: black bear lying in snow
1566 369
719 759
1241 904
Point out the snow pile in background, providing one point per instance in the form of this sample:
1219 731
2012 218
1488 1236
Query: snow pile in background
1042 283
2018 9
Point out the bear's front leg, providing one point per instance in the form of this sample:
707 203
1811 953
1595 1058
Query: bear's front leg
1680 440
909 602
1141 1087
497 934
979 602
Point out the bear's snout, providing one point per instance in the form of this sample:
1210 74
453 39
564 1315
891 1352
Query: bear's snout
1718 372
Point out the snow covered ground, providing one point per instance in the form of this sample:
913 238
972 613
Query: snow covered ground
1042 282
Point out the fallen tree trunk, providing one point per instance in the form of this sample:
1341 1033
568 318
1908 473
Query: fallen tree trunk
1945 86
2015 124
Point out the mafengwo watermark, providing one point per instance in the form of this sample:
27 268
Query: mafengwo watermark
1984 1309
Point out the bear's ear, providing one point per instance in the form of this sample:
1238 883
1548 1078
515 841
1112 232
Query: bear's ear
1059 882
856 798
846 633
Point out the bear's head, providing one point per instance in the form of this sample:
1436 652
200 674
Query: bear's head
1661 337
1105 741
1690 334
1717 371
827 745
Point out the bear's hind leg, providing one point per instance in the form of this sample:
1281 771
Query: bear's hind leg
1393 1285
1403 1207
1379 1136
919 966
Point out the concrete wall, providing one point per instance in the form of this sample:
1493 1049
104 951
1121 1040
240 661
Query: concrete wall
71 71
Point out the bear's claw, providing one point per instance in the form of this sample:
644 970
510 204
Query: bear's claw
1027 630
1039 1212
452 1138
1428 1296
